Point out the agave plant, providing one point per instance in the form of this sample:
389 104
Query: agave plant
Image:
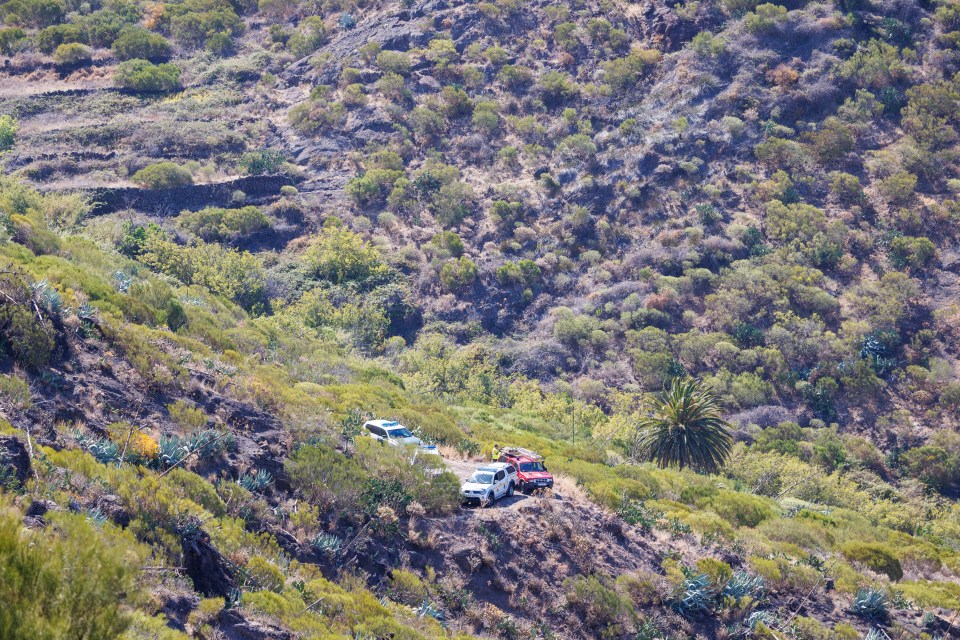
256 481
743 584
96 517
869 603
205 443
684 428
105 451
327 543
875 634
122 281
759 617
47 297
696 598
427 610
171 449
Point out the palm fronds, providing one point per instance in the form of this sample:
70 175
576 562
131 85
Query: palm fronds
684 428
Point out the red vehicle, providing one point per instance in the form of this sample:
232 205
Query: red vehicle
532 474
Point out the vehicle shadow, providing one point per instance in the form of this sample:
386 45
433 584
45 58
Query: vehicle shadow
505 502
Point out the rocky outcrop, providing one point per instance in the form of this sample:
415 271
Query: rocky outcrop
14 457
211 573
234 626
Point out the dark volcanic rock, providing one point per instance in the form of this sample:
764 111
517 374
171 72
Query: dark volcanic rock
212 575
112 507
13 455
235 627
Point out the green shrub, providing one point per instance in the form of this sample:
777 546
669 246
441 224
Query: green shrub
878 65
72 54
143 75
223 225
600 607
739 509
24 336
447 244
935 466
899 187
718 571
407 588
846 187
103 26
262 162
138 43
33 13
764 17
8 132
623 73
557 86
930 593
11 40
394 62
194 22
236 275
49 39
877 556
340 255
326 477
915 253
163 175
458 274
68 580
311 33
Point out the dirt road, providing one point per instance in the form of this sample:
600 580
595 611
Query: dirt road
463 469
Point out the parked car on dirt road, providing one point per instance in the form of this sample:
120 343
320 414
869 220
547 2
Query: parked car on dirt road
532 474
393 433
489 483
390 432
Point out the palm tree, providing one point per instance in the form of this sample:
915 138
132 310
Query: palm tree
684 428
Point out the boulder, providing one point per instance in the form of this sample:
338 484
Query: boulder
14 457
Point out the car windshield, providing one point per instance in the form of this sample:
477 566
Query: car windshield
399 433
531 466
482 478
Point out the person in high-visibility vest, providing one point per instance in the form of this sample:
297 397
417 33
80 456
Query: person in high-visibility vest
495 454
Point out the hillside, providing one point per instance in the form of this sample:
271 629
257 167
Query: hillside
231 232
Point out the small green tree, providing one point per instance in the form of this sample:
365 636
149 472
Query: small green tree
8 132
684 428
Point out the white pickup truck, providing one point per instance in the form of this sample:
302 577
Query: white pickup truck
490 482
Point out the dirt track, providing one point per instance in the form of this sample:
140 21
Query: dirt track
464 468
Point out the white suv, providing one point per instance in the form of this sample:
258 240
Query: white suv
391 432
490 482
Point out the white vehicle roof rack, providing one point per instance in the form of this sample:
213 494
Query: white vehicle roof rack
520 451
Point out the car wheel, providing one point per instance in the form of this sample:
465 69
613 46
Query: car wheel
510 490
491 497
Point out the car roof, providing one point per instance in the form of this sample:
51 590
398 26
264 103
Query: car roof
522 458
495 466
382 423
